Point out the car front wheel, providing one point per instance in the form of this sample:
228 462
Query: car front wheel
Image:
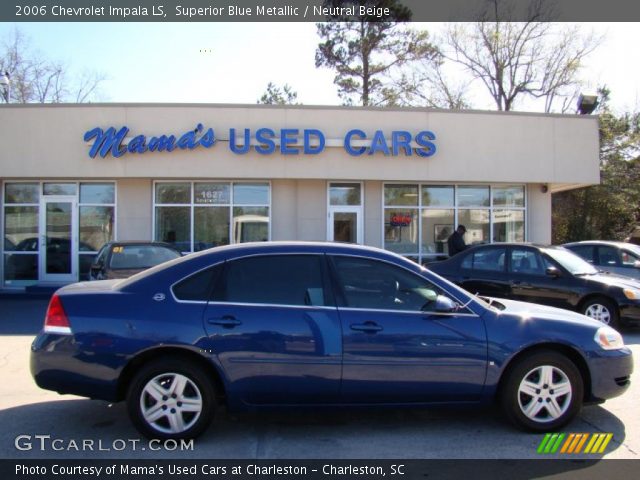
542 392
171 398
603 310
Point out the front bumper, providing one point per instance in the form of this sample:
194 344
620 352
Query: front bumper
630 312
610 374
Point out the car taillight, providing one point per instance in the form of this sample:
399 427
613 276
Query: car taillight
56 320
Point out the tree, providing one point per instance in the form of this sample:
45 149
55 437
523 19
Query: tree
368 55
611 209
515 60
38 80
275 95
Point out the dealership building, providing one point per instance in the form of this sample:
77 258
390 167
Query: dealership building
74 177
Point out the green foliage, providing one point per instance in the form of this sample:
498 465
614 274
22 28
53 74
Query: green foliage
368 55
608 211
275 95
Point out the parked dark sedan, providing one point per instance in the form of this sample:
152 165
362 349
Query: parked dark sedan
546 275
123 259
271 324
614 257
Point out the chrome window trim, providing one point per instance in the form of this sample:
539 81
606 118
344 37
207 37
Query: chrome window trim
420 313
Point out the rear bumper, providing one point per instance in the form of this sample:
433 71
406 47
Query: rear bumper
57 364
610 374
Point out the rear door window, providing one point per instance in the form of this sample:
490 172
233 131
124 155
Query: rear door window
275 279
491 259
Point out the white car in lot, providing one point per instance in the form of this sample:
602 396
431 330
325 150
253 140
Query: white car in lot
615 257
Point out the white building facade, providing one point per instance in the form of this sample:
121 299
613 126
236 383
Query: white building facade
74 177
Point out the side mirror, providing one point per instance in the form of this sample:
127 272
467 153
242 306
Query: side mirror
553 272
445 304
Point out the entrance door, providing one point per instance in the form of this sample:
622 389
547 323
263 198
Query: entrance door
58 247
345 224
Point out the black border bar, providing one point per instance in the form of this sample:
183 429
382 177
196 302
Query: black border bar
311 10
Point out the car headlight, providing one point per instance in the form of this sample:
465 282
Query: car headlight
608 338
631 293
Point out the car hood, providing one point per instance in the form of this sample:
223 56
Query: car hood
611 279
533 310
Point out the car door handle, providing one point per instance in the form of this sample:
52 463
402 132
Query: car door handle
369 327
228 321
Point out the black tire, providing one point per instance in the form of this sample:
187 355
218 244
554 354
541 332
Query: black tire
176 411
603 310
557 409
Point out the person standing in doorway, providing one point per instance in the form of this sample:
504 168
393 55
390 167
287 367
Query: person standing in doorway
455 242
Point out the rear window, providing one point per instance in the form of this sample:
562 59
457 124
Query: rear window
140 256
487 259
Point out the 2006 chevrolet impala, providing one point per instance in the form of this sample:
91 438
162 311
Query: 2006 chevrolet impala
316 324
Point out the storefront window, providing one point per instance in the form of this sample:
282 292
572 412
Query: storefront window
401 230
508 226
211 227
437 196
218 213
508 196
59 189
212 193
250 224
173 193
21 233
250 194
98 193
97 216
477 223
345 194
96 227
401 195
437 225
21 193
490 214
472 196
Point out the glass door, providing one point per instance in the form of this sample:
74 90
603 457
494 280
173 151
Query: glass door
58 246
345 224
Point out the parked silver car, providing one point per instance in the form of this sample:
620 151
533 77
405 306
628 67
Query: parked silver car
615 257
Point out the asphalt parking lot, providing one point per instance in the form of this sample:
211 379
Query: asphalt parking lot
27 411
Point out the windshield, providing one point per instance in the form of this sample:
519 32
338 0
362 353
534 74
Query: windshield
572 262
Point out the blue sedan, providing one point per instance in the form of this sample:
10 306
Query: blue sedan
255 326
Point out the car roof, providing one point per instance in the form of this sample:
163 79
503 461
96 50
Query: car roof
515 244
598 242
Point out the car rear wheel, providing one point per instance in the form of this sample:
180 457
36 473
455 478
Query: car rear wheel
601 309
542 392
171 398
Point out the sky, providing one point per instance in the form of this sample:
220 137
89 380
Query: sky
234 62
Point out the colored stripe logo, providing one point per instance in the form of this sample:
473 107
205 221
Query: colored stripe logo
574 443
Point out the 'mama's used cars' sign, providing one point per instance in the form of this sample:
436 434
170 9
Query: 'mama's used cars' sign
265 141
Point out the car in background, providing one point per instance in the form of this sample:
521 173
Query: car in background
292 324
123 259
614 257
547 275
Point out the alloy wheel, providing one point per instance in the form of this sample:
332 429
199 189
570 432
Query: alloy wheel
544 394
171 403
